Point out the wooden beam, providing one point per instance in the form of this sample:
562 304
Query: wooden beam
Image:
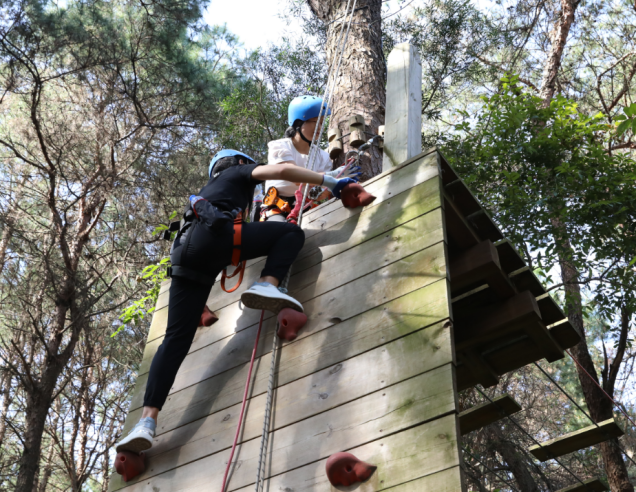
460 233
591 485
403 127
519 313
480 370
509 258
482 415
580 439
484 225
478 265
524 279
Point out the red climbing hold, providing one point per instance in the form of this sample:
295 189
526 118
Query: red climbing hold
290 322
354 195
345 469
129 464
208 318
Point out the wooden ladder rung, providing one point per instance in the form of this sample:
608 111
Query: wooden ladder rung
580 439
481 415
591 485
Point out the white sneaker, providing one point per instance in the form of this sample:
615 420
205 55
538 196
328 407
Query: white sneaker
140 437
263 295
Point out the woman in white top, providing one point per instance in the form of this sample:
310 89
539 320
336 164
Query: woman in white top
304 113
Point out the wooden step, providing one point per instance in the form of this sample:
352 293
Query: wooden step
580 439
519 314
511 354
477 265
591 485
482 415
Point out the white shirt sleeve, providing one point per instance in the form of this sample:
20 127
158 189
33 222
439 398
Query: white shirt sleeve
325 164
280 151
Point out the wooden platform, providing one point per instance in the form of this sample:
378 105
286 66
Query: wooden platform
482 415
580 439
592 485
373 371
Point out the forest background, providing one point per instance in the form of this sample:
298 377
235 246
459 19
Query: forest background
110 112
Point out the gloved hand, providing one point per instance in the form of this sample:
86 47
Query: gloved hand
194 199
353 172
336 185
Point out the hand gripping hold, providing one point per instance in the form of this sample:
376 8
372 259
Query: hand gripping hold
208 318
290 323
354 195
129 464
345 469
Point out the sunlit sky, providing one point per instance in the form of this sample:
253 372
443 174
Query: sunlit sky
257 22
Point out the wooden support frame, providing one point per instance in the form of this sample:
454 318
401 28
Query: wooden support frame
591 485
482 415
477 265
580 439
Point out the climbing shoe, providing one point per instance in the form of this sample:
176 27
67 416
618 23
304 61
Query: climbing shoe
263 295
140 437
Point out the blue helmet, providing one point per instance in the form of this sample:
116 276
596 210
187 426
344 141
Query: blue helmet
304 108
226 153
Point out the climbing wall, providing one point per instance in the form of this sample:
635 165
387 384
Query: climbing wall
372 372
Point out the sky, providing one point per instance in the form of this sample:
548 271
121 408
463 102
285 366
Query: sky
257 22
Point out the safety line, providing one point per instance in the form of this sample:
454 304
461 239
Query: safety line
490 469
581 409
601 388
536 442
240 421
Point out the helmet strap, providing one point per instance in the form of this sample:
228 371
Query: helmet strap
302 136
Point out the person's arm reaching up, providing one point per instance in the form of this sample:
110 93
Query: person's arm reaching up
295 174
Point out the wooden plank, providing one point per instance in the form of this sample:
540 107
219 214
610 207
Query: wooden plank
591 485
482 415
386 185
514 354
403 120
525 279
460 234
496 321
383 367
550 310
316 349
509 258
477 265
484 225
386 249
344 235
364 420
580 439
415 460
396 244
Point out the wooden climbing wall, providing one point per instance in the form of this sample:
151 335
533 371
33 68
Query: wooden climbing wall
371 373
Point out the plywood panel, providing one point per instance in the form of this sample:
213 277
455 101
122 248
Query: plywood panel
422 455
307 355
367 419
382 367
415 271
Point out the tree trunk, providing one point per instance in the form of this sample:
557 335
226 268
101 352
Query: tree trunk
512 456
360 86
558 38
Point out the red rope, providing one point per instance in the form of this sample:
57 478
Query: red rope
599 387
247 385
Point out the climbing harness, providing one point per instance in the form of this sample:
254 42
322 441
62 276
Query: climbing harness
274 205
236 257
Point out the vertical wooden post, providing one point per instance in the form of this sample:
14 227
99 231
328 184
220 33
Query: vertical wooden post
403 134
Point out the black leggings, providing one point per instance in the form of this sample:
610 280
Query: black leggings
280 242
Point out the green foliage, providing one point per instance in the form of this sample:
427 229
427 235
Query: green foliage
546 175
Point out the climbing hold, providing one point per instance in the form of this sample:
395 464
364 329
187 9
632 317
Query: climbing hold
208 318
354 195
129 464
290 322
345 469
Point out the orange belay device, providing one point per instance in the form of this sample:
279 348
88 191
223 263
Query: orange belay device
273 200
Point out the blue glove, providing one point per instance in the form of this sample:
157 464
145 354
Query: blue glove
336 185
194 199
353 172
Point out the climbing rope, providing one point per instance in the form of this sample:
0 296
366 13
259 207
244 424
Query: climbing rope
314 149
